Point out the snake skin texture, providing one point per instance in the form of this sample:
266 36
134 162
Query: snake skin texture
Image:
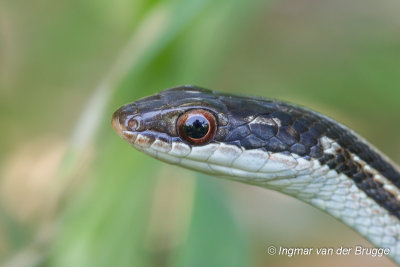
276 145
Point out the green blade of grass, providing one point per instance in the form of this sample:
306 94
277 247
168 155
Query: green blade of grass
214 239
107 228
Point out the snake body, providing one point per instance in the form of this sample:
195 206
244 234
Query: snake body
271 144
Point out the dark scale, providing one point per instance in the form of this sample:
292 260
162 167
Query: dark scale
316 151
274 144
285 118
252 142
308 139
238 133
288 135
301 125
299 149
263 131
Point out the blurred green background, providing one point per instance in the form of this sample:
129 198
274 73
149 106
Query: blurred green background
72 193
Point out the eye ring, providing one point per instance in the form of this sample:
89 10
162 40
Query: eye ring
197 126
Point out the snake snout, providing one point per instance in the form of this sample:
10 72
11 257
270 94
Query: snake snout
116 124
125 123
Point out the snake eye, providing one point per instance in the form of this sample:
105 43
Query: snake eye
197 126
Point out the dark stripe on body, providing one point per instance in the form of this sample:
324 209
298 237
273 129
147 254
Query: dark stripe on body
342 162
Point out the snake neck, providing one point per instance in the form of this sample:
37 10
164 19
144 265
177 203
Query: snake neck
348 199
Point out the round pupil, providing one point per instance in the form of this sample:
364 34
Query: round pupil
196 127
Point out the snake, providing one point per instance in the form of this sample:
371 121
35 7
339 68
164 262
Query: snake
275 145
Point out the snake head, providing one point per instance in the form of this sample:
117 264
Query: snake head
243 138
176 117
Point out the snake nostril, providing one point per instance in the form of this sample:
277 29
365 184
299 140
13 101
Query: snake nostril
133 124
